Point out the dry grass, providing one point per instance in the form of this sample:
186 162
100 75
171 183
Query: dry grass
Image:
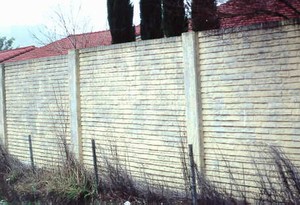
71 183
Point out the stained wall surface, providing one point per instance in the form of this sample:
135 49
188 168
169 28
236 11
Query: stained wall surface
250 93
37 104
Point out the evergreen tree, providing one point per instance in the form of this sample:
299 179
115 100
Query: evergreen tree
6 44
151 19
120 19
204 15
174 19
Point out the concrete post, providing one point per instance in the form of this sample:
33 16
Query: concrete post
3 135
74 88
193 96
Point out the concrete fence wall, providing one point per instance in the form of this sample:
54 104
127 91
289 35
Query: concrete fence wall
227 92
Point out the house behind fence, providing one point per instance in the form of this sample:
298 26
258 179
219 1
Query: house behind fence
228 92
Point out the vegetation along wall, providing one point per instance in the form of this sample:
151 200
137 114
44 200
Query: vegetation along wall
229 93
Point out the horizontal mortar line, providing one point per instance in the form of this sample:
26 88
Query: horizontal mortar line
133 102
248 61
135 114
134 53
35 80
143 84
145 48
104 133
207 53
157 96
130 58
141 88
27 66
219 92
253 76
268 131
95 119
290 150
242 69
154 166
132 66
227 151
139 154
36 73
236 44
100 131
128 70
210 138
133 153
111 80
144 65
212 133
33 83
85 89
265 106
251 36
42 133
134 84
140 76
248 160
132 121
243 72
247 126
237 47
245 68
251 52
253 99
137 88
148 65
100 74
32 71
157 173
39 62
40 124
160 146
134 126
251 115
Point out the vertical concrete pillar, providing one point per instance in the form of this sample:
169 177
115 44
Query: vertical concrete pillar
193 96
74 88
3 135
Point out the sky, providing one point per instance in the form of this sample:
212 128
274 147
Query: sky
35 17
24 19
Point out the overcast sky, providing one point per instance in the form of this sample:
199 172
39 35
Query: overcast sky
19 19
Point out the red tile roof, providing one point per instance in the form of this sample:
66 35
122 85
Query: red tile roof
61 47
8 54
236 13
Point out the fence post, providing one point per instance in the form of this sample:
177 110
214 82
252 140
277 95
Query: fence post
3 135
190 46
74 87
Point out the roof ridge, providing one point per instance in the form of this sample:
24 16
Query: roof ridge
16 49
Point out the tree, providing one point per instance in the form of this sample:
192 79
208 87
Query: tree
151 19
174 18
6 44
120 19
204 15
64 23
283 9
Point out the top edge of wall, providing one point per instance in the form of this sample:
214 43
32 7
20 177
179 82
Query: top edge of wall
132 44
257 26
36 60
